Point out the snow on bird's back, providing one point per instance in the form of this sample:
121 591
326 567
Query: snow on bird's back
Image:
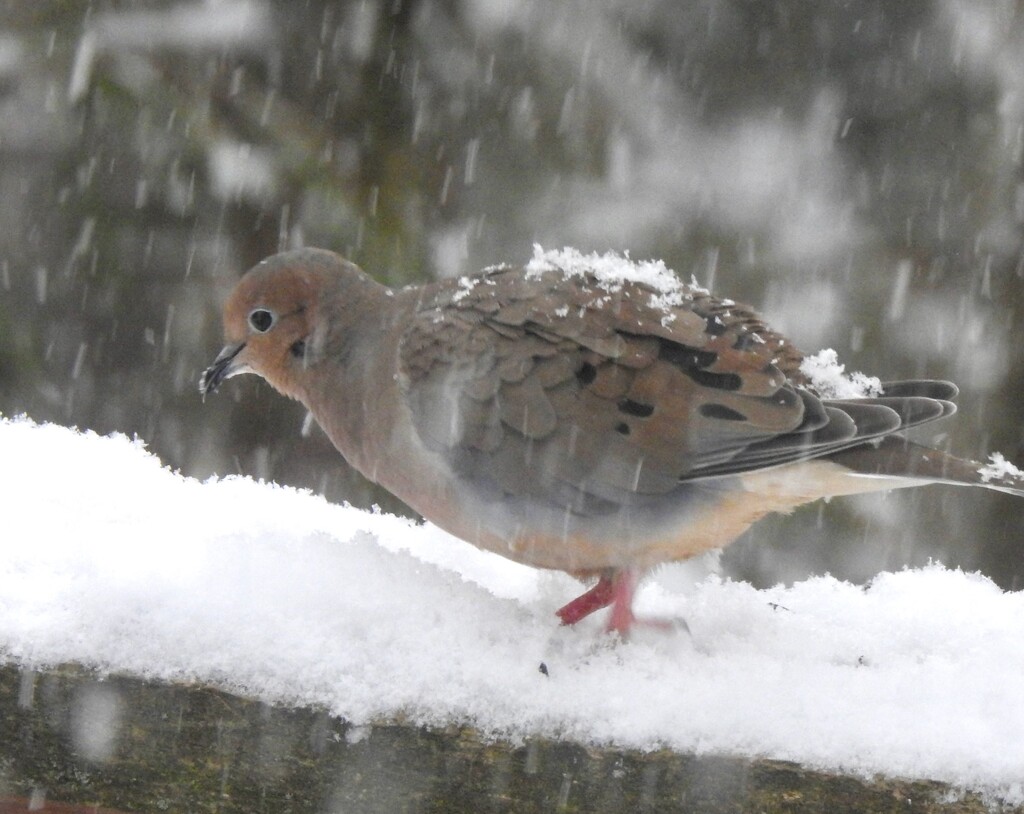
611 270
829 379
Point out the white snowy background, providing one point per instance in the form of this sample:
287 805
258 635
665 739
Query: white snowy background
110 559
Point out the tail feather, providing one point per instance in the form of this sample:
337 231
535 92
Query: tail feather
864 436
911 410
897 457
927 388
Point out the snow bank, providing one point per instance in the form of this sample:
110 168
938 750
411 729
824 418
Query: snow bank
111 560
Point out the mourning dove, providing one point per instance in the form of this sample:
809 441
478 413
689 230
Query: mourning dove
585 414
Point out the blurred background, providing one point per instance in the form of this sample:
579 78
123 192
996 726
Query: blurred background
854 170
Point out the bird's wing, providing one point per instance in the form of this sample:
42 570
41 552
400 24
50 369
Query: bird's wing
590 395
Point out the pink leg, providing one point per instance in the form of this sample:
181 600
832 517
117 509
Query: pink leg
615 588
600 596
622 618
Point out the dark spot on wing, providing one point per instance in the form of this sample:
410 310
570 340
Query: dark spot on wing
720 411
685 358
586 374
717 381
715 326
637 408
693 362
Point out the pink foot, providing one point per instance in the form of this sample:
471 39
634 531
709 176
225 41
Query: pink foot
615 588
600 596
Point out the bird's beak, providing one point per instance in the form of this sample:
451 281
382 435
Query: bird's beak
224 367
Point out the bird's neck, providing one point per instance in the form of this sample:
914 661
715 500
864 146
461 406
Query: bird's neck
345 390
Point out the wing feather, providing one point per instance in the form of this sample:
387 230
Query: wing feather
552 386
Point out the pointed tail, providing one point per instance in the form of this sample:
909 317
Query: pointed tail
897 457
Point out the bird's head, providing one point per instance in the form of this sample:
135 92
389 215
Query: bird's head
273 319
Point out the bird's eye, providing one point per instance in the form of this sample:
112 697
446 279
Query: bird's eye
261 320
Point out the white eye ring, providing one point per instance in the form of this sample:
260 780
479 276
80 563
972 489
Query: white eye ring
262 320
